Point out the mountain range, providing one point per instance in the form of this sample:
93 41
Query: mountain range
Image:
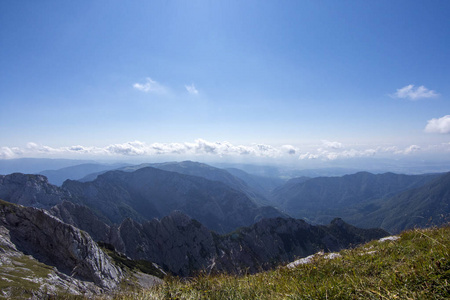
153 193
390 201
57 177
257 188
359 198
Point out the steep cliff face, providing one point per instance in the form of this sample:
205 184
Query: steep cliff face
83 218
178 243
30 190
71 251
22 276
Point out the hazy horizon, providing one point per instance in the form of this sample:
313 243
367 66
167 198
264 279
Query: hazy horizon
301 83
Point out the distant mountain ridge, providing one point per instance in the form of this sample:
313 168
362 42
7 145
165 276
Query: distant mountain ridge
324 198
423 206
239 182
36 165
211 173
265 185
57 177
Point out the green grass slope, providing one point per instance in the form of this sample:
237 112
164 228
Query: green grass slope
416 266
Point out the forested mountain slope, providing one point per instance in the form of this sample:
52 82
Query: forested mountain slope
324 198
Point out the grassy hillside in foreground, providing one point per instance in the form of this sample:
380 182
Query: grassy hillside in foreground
416 266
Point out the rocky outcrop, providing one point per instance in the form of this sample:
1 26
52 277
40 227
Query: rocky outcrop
177 243
30 190
71 251
183 246
270 242
22 275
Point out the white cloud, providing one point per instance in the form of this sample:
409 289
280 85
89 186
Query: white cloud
412 93
441 125
337 151
150 86
7 152
332 156
173 148
191 89
408 150
78 148
308 155
333 145
289 149
411 149
129 149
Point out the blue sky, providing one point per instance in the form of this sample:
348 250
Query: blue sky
295 80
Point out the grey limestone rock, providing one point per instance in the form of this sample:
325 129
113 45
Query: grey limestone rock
71 251
176 242
83 218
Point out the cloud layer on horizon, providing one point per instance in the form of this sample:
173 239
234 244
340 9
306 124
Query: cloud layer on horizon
327 151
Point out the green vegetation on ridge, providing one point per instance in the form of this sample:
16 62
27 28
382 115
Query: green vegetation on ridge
416 266
16 276
124 262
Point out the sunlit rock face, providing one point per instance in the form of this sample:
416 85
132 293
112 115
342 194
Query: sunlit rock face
46 238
